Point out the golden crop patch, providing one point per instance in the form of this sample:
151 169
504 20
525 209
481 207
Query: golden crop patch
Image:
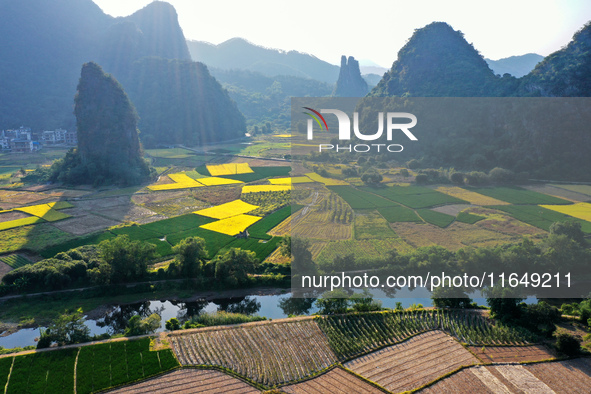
215 181
229 169
232 208
327 181
580 211
265 188
472 197
232 225
48 211
289 181
181 181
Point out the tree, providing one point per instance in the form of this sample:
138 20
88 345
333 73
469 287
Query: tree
295 306
422 179
450 297
457 178
69 328
364 302
301 261
173 324
234 266
501 175
541 318
128 259
190 253
568 344
503 304
333 302
371 177
570 229
138 326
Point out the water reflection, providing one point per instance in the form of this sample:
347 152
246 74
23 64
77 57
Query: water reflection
271 306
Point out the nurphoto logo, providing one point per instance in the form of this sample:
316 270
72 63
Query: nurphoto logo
392 124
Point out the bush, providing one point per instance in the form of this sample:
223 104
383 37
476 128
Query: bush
568 344
501 175
457 178
422 179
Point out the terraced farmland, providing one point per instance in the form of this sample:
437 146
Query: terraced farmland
115 363
190 381
541 217
437 218
470 196
359 199
50 372
519 196
415 197
15 260
413 363
571 376
508 354
362 249
580 211
269 353
355 335
335 381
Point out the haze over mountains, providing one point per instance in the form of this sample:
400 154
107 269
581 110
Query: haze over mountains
238 53
518 66
44 44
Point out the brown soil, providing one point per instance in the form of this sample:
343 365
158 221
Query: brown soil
4 269
217 195
413 363
190 381
337 381
13 215
85 224
507 354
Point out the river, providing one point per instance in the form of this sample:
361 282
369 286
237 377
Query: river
268 305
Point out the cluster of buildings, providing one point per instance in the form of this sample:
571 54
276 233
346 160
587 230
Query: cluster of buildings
24 140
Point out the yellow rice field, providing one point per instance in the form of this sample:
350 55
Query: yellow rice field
180 177
47 211
265 188
289 181
182 181
471 197
229 169
232 208
327 181
232 225
215 181
581 210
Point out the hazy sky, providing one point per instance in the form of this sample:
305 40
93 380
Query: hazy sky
375 29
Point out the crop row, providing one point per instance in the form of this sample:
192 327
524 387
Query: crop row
540 217
352 335
437 218
15 260
115 363
517 195
359 199
49 372
268 353
415 197
340 212
257 174
262 227
261 249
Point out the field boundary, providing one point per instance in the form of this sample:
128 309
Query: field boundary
159 374
366 380
237 326
447 375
